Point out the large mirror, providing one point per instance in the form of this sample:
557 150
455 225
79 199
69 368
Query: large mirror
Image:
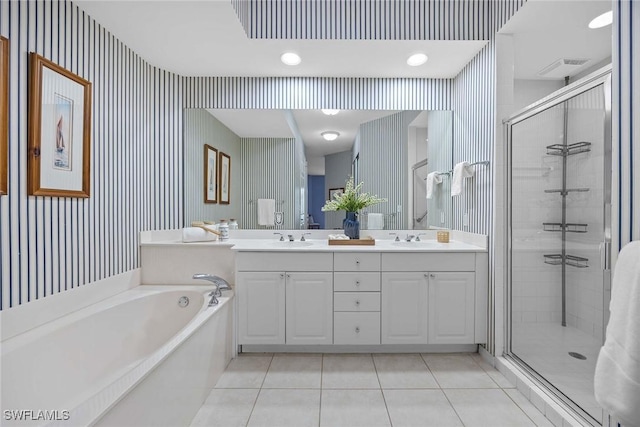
263 160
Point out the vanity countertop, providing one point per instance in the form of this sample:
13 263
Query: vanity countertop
264 245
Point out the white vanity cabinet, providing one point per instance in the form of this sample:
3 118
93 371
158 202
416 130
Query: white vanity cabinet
284 298
433 298
356 298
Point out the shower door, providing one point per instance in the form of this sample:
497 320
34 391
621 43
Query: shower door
559 234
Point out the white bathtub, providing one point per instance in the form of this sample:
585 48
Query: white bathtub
135 359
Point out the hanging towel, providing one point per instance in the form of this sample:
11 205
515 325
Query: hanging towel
266 209
461 171
617 376
198 234
433 178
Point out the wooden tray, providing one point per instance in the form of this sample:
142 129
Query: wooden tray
355 242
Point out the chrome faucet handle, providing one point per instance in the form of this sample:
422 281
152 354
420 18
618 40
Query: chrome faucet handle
290 236
418 236
302 239
281 236
395 234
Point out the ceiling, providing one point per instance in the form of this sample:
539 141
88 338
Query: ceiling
205 38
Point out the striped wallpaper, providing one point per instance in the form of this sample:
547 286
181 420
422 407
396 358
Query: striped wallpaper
51 244
383 165
440 155
372 20
268 174
626 119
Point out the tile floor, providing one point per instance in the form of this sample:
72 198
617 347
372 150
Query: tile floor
368 390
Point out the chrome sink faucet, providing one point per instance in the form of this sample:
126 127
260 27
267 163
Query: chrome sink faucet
221 285
409 237
281 236
290 236
418 236
397 239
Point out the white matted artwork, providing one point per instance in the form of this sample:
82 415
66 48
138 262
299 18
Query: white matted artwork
59 131
210 174
224 178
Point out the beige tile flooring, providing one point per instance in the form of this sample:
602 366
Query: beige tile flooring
368 390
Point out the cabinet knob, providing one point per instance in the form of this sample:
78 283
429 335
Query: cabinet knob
433 276
357 329
357 282
282 275
358 302
426 275
288 275
357 262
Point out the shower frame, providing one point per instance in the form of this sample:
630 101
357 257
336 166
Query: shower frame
600 77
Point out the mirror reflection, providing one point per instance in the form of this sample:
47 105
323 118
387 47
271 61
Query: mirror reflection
282 165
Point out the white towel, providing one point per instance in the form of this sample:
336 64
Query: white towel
375 221
617 376
198 234
433 178
461 171
266 209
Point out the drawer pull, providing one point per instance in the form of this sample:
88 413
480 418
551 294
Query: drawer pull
282 275
433 276
357 262
357 282
357 329
358 302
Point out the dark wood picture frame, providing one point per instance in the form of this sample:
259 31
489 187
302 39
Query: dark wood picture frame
333 191
4 115
224 178
210 174
59 156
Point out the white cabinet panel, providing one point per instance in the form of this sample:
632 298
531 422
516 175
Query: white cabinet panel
357 328
284 261
309 311
428 261
356 261
356 301
451 308
261 308
404 308
356 282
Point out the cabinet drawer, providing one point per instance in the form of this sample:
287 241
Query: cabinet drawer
356 328
429 261
356 301
356 261
356 282
284 261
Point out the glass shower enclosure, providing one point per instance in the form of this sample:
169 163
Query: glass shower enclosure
559 190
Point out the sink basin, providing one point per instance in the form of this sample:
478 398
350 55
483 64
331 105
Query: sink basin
297 244
414 244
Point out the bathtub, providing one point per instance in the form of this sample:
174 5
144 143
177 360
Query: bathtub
138 358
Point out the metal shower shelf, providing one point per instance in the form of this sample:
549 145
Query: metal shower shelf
572 260
568 150
564 192
568 227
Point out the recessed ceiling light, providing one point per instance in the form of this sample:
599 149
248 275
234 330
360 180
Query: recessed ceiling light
290 58
602 20
330 135
330 112
417 59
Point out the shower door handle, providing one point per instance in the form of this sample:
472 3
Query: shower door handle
605 256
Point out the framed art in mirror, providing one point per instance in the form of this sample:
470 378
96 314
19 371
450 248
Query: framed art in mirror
4 115
335 192
224 162
210 174
58 161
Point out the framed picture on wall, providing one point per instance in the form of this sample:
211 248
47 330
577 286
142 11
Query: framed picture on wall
210 174
58 161
335 192
4 115
224 180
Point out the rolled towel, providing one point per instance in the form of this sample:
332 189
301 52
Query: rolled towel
199 234
461 171
434 178
266 211
617 375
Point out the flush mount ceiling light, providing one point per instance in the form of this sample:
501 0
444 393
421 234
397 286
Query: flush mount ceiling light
417 59
602 20
290 58
330 112
330 135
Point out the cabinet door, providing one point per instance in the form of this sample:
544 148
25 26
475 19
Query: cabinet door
404 308
451 308
261 307
309 308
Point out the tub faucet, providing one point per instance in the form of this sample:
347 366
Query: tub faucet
221 285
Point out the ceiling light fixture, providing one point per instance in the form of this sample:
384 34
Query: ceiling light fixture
330 135
417 59
602 20
330 112
290 58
